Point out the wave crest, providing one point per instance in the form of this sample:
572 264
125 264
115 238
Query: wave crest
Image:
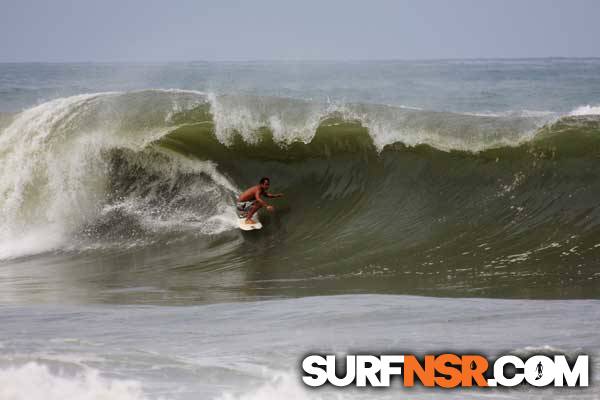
126 167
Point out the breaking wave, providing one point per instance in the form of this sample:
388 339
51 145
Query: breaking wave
411 186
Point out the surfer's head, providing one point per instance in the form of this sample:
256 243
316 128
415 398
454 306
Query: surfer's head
265 182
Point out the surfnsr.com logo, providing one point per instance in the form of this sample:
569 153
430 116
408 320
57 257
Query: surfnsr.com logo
445 371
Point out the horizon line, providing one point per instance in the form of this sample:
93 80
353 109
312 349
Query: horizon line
308 60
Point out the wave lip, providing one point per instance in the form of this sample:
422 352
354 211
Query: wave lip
58 158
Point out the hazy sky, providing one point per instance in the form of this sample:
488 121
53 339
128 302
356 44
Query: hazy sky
150 30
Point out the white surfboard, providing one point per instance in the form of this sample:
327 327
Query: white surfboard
249 227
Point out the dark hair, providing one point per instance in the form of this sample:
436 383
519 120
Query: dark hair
264 179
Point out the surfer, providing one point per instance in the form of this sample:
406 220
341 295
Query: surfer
539 369
250 201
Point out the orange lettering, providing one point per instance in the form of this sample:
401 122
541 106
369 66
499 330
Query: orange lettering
473 368
412 367
454 375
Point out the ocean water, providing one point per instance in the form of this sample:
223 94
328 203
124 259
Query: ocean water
430 206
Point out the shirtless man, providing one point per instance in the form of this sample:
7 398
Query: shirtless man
250 202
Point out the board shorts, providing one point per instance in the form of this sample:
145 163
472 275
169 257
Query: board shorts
244 206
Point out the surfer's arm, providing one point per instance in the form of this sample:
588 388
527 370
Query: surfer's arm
259 200
273 196
262 202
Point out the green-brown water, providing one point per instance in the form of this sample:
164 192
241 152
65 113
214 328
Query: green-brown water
519 220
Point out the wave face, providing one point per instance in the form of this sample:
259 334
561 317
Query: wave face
398 199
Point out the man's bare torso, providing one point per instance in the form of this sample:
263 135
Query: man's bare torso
251 193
